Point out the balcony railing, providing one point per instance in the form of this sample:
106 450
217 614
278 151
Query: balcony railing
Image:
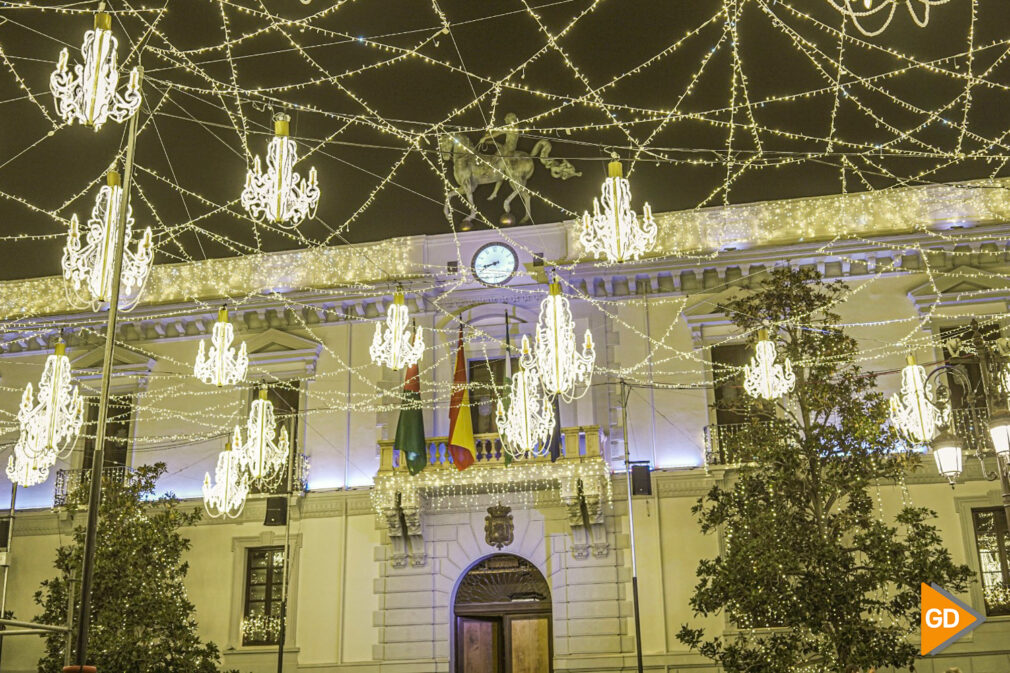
68 481
732 443
577 444
971 424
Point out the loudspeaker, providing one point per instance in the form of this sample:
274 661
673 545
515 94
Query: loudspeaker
5 531
277 511
641 482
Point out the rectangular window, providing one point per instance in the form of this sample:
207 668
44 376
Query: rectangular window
991 539
967 363
264 574
118 431
487 381
728 361
285 396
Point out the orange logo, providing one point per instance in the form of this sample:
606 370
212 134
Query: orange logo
944 619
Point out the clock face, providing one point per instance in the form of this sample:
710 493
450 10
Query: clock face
495 264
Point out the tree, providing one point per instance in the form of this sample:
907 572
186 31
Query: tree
811 574
141 619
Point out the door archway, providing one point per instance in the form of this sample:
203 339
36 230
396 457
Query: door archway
502 614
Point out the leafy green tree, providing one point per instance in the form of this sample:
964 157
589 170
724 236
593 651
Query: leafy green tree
141 619
812 576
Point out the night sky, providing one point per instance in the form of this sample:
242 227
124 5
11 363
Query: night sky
698 116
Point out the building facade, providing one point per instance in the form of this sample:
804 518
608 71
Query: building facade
409 574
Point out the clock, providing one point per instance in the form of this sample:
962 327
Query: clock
494 264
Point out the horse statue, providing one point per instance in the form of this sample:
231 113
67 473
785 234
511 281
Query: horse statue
472 169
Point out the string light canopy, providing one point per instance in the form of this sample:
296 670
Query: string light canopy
562 368
88 268
764 377
912 411
263 458
393 346
227 496
280 195
88 95
527 424
863 12
49 423
614 231
949 455
221 365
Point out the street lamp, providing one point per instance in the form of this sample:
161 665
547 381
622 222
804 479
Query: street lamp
949 456
999 431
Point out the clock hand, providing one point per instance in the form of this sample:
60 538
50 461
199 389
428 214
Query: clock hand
490 264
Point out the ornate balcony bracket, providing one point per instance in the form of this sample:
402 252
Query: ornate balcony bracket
587 519
403 524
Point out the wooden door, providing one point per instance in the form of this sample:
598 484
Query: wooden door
529 643
478 645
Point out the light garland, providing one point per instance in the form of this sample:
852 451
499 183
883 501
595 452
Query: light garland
48 426
615 233
563 370
912 411
883 11
89 94
526 427
262 457
279 195
765 378
394 347
88 269
222 366
226 498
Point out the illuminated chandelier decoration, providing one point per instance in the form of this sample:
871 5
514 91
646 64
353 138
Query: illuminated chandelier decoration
763 377
50 425
88 95
88 269
222 367
615 233
394 347
912 412
263 458
226 498
280 195
561 367
526 427
882 11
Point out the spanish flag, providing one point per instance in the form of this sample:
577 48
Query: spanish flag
461 444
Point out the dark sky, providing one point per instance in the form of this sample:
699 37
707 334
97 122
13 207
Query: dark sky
725 106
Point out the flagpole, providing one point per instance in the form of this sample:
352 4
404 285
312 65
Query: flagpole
625 394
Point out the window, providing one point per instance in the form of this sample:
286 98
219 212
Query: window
118 430
264 575
487 380
285 397
992 542
967 363
728 361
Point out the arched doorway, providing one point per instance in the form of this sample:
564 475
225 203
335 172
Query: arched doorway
503 618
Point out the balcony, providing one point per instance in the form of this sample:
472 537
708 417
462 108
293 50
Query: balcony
731 443
68 481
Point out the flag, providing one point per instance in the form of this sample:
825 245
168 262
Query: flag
410 440
554 443
461 444
507 381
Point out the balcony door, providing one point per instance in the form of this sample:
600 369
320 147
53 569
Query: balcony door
503 618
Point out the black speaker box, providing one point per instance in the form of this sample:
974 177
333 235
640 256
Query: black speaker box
641 482
277 511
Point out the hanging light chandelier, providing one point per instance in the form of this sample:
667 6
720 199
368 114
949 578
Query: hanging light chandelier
882 12
562 369
280 195
223 366
765 378
394 347
526 427
49 423
613 231
912 411
263 458
88 268
226 498
88 95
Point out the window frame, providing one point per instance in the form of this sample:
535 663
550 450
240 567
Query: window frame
1002 550
88 443
274 578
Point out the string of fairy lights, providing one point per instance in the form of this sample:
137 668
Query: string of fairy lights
99 89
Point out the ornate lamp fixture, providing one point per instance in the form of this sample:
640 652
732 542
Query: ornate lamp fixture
912 411
561 367
615 233
223 367
948 455
89 268
394 347
261 456
526 427
279 195
765 378
89 94
49 423
999 430
227 497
